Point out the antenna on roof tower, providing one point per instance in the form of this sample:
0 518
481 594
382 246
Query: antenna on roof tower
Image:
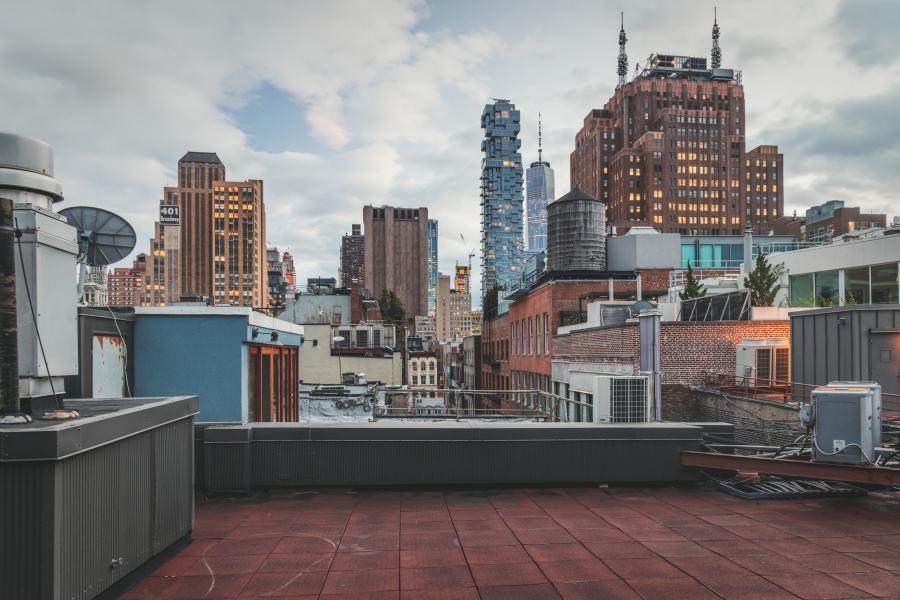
539 138
622 69
716 51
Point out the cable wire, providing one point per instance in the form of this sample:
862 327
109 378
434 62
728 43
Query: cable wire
124 345
33 316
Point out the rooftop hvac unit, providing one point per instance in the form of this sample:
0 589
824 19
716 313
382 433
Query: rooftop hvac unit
622 399
763 362
846 422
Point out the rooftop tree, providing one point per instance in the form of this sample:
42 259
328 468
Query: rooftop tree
692 287
762 282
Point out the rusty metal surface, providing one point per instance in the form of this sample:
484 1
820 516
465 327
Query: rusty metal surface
792 468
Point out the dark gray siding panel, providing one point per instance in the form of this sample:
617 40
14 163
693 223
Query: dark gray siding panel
452 455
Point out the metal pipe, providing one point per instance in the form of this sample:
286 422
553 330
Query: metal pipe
9 344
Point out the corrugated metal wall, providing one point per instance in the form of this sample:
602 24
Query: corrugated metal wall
833 344
126 500
368 456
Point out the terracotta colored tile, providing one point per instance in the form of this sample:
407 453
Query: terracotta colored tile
281 585
770 565
244 547
178 565
148 588
481 525
750 587
371 529
730 519
416 559
835 562
225 586
554 552
519 592
496 555
368 543
198 547
332 517
507 574
671 589
567 571
360 582
659 534
642 568
327 530
531 523
424 516
882 583
704 532
469 539
816 587
364 561
793 547
293 563
444 577
545 536
304 544
671 549
430 541
479 514
847 544
385 595
593 590
428 527
736 548
605 534
759 531
619 550
226 565
703 567
889 561
457 594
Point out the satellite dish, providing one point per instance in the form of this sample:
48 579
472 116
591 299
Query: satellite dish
103 238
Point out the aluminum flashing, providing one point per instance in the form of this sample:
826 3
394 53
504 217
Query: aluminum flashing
102 421
444 453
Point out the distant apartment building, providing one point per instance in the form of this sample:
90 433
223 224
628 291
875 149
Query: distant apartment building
471 356
278 284
217 249
454 317
396 255
669 150
462 280
502 227
540 189
95 291
125 285
290 272
827 221
353 254
432 264
422 370
154 291
425 328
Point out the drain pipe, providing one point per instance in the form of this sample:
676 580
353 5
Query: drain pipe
10 407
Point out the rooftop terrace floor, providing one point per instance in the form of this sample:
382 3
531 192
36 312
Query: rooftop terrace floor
620 543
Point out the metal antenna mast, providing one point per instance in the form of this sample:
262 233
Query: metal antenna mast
716 51
622 69
539 138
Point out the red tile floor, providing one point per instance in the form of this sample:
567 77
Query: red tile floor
573 543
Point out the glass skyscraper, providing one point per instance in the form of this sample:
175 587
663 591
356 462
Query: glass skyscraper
432 265
502 238
539 190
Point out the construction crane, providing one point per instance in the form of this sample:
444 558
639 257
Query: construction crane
471 254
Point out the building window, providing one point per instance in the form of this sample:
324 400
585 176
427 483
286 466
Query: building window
884 284
826 288
856 282
415 380
530 335
546 334
802 290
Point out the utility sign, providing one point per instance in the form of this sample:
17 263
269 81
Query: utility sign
170 214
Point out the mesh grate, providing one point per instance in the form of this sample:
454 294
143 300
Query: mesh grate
763 365
782 364
628 402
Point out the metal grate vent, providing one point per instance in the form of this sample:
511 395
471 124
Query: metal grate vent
628 400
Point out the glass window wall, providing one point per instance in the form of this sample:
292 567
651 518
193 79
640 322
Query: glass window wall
884 284
802 290
856 285
827 288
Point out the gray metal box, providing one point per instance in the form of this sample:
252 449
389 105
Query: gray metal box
846 427
49 249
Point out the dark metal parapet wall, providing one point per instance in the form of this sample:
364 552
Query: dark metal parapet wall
263 455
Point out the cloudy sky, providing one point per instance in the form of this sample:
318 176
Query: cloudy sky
340 104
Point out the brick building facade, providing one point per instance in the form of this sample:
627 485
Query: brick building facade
689 353
669 150
125 284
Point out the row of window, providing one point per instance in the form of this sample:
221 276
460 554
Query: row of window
528 338
877 284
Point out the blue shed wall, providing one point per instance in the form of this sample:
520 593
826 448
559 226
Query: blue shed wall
177 355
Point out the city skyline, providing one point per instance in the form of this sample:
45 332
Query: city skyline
332 127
